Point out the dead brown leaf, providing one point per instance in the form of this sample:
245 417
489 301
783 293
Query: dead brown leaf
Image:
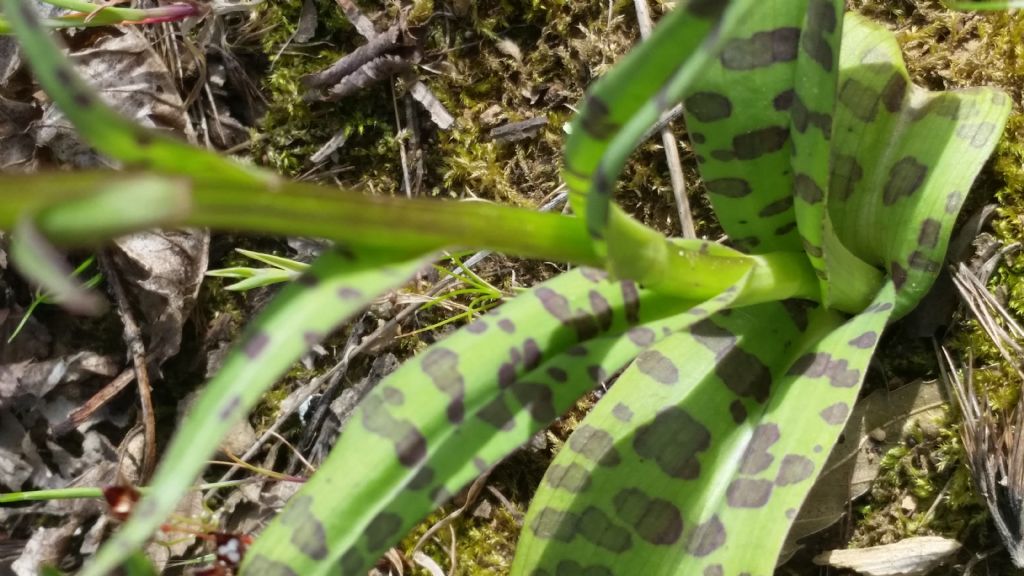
162 272
853 464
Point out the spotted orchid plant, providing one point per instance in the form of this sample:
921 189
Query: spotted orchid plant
836 179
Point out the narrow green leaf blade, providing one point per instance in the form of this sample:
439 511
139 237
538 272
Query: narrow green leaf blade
339 284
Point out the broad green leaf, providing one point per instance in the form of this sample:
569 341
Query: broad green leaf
459 408
699 457
738 115
903 159
339 283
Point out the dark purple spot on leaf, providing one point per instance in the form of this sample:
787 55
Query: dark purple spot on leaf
631 301
383 530
256 344
227 411
738 411
507 326
759 142
602 310
836 414
729 187
777 207
410 445
641 336
596 527
392 395
442 367
920 261
760 50
538 399
784 100
422 479
673 440
748 493
656 520
708 106
905 178
797 311
553 524
658 366
557 374
706 538
596 118
349 293
793 470
928 237
865 340
860 99
757 458
899 275
260 564
807 189
622 412
785 229
308 533
845 173
573 568
497 414
572 478
352 562
894 91
477 327
594 444
311 338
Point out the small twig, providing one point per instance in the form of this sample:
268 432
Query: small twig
471 496
97 401
133 338
668 141
406 183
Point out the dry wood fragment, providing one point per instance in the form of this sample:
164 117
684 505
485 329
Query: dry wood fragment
370 73
911 557
375 48
522 130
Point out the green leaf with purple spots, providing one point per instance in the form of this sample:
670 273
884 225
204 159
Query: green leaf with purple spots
340 283
460 407
903 160
698 458
834 152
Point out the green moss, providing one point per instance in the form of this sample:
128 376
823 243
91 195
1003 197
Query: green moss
483 546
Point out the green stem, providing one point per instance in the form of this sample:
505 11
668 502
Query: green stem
89 207
55 494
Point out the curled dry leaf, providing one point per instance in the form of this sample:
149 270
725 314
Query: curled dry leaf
46 547
911 557
123 67
36 379
163 271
